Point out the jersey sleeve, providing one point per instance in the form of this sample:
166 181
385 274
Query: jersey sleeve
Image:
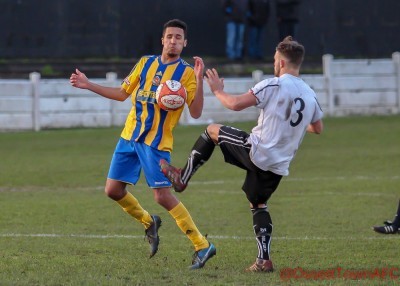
131 81
263 90
318 113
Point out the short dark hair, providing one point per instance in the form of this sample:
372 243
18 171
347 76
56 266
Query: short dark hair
292 50
176 23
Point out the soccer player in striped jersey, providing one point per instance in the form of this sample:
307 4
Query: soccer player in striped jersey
288 109
147 136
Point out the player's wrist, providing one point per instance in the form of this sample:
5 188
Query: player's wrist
218 92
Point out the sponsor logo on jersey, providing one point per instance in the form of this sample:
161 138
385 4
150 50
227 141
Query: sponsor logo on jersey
146 95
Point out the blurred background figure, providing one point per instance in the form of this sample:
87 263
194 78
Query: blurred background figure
258 16
287 14
235 14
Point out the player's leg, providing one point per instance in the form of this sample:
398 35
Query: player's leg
230 40
259 186
116 190
125 168
240 29
262 225
200 153
164 197
132 207
233 143
204 250
390 227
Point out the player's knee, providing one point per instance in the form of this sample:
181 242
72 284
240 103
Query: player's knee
213 131
115 191
255 199
162 196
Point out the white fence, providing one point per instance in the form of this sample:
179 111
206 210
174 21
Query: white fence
362 86
346 87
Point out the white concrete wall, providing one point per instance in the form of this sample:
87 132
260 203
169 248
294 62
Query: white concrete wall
362 86
346 87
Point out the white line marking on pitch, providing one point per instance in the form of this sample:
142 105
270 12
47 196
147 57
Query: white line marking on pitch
223 237
293 179
222 182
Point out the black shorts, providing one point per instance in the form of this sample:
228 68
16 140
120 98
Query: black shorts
259 185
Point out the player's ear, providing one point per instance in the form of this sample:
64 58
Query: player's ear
185 43
162 41
282 63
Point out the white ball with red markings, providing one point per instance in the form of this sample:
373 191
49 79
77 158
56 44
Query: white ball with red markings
171 95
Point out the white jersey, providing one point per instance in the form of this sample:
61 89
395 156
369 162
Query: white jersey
288 105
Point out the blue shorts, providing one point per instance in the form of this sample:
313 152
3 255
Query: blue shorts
131 157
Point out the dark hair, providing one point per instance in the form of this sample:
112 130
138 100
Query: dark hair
176 23
291 50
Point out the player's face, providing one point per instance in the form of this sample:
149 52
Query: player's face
173 42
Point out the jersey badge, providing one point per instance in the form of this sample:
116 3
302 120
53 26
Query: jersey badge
156 80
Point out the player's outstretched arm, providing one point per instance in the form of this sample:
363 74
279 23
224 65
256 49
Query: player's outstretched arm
78 79
231 102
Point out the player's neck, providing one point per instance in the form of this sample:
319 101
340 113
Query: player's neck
166 59
293 72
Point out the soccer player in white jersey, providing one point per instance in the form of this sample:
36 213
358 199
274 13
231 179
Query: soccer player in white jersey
288 109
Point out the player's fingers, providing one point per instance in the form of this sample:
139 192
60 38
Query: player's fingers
209 73
196 58
199 62
215 72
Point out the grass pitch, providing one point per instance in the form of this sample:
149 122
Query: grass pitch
58 228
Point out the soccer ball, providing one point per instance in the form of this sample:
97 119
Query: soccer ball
171 95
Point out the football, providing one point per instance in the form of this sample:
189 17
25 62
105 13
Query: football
171 95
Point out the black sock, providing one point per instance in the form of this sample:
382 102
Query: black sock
201 152
262 225
396 220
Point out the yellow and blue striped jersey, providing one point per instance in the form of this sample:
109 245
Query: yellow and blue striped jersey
146 121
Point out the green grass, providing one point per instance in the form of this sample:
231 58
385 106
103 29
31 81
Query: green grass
58 228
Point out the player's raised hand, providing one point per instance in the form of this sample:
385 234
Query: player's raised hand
214 81
79 79
198 67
